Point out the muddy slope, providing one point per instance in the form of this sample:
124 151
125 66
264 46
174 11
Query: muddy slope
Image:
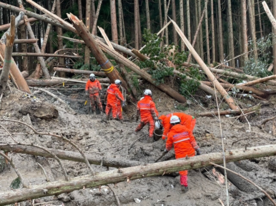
113 139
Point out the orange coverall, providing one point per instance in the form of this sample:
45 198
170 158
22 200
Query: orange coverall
185 119
94 87
184 144
148 112
114 98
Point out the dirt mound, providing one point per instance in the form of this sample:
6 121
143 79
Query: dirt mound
113 139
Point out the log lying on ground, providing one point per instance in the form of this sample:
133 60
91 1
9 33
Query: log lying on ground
257 81
25 41
69 155
244 88
6 26
44 55
131 173
234 112
57 80
232 74
207 71
78 71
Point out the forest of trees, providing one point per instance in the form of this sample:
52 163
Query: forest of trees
223 29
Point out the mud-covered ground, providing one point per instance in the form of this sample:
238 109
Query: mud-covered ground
113 139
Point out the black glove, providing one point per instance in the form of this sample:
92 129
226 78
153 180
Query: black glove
137 118
124 103
165 150
198 151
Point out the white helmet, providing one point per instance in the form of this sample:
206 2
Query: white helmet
174 119
147 92
92 76
118 81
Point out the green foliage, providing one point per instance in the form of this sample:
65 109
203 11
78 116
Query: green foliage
259 67
135 82
188 87
181 107
160 71
15 184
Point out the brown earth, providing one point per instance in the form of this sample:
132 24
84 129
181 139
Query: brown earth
113 139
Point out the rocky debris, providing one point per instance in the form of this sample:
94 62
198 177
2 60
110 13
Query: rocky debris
272 164
64 197
40 110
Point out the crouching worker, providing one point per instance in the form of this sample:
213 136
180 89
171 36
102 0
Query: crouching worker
148 113
93 88
185 119
184 145
114 100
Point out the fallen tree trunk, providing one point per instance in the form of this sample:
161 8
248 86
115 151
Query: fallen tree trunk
235 112
6 26
269 14
32 14
207 71
69 155
129 64
44 55
131 173
105 64
78 71
257 81
232 74
100 40
25 41
128 79
58 80
43 82
244 88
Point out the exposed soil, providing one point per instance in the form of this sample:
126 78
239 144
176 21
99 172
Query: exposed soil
113 139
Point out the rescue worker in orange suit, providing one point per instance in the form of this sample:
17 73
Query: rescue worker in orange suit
184 144
93 88
115 101
187 120
148 113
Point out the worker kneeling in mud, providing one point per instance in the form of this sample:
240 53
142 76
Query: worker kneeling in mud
115 101
93 88
148 113
185 119
184 144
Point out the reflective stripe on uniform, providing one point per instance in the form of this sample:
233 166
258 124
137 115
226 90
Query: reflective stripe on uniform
182 140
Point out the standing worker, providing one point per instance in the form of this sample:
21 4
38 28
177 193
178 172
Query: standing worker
184 145
93 88
185 119
148 113
114 100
